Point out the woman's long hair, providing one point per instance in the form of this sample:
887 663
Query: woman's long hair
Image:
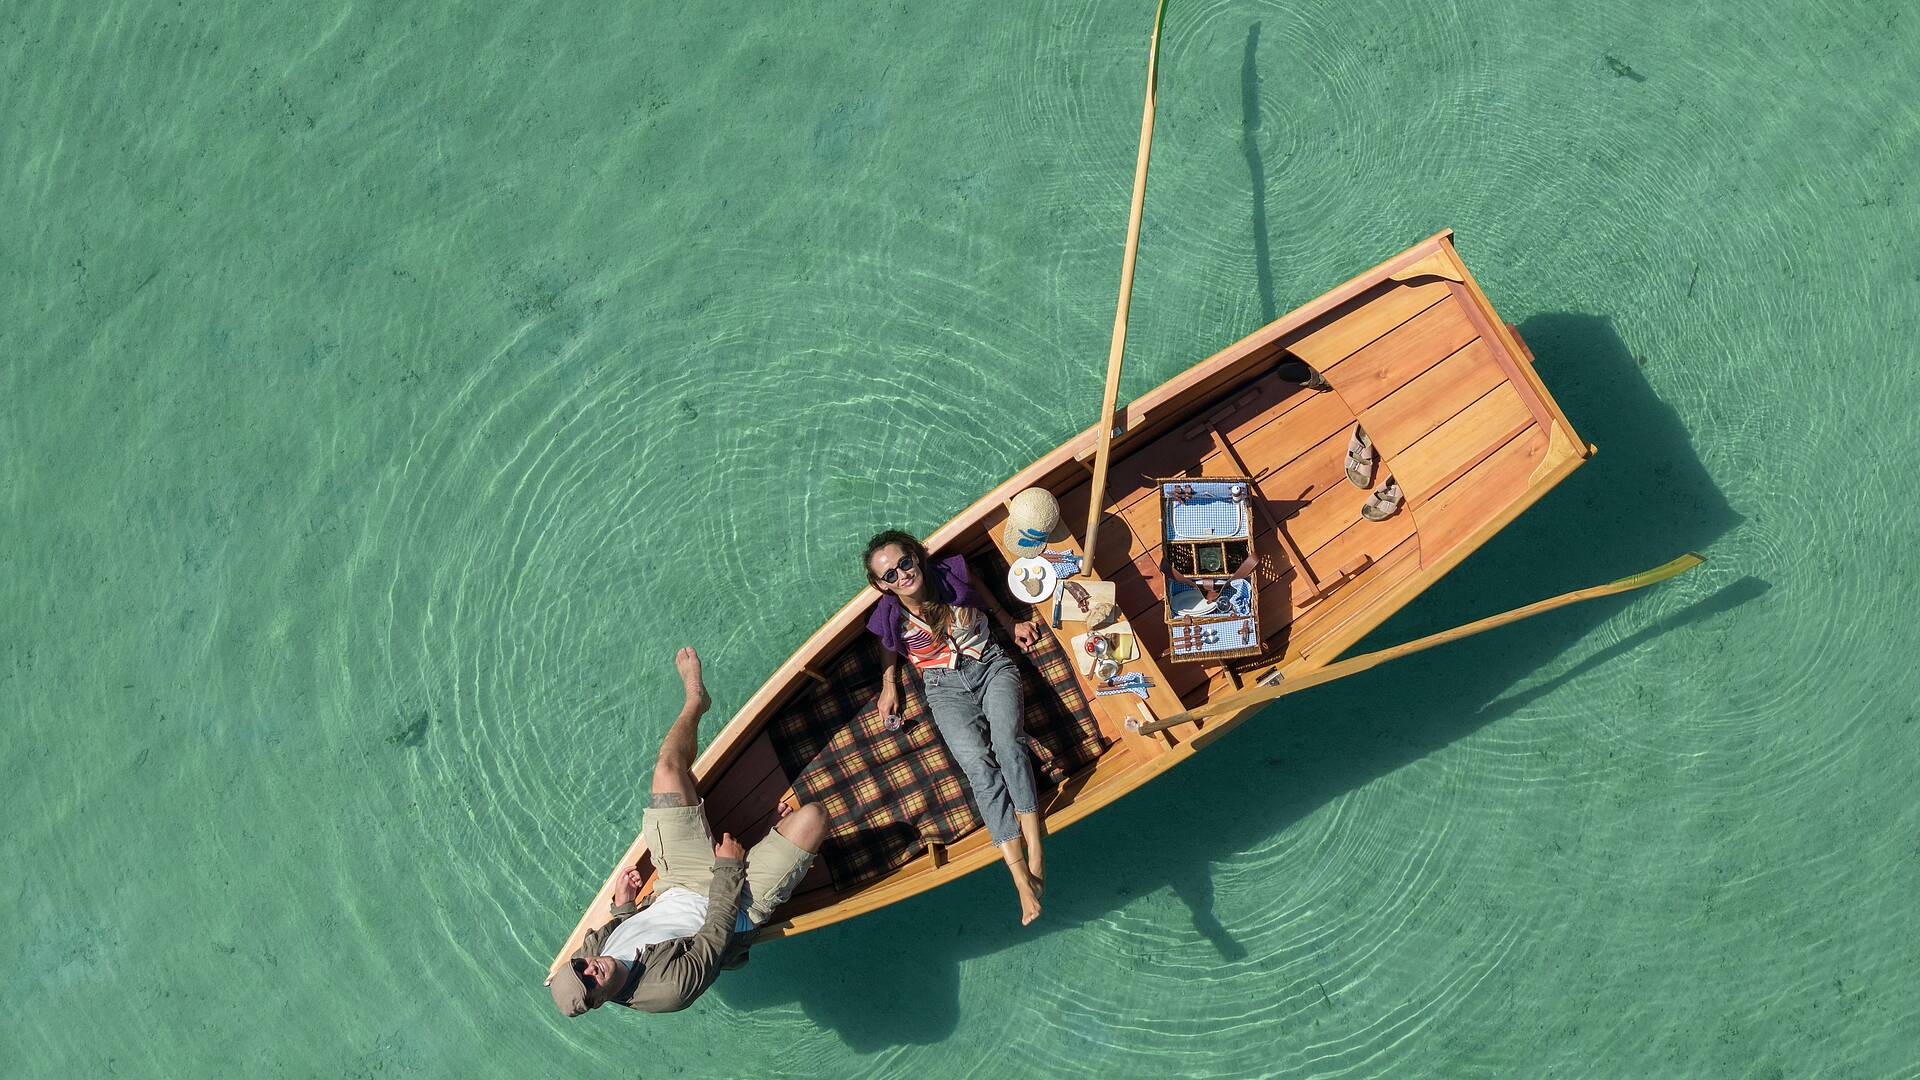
935 611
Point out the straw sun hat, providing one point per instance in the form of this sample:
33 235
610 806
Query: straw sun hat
1033 522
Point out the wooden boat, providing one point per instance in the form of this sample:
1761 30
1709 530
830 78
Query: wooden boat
1412 350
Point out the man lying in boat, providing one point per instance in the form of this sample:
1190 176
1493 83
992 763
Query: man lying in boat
662 955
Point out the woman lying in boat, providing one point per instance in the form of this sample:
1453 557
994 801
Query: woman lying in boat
932 615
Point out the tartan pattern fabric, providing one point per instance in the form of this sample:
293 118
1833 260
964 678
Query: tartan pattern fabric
886 793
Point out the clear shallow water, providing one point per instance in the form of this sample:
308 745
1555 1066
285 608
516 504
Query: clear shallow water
384 394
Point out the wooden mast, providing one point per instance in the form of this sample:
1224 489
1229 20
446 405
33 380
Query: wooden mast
1097 497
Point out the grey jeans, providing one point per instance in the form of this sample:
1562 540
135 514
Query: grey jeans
978 708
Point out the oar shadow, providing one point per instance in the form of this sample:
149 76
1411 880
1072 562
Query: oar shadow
1726 598
893 977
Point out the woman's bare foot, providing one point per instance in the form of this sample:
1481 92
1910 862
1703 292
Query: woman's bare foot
1033 830
1029 904
688 663
1014 853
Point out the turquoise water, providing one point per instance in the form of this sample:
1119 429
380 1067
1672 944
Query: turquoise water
386 390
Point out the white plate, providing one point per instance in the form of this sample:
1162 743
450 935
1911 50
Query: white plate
1195 601
1032 579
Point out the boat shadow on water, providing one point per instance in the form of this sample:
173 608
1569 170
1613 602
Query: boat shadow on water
893 977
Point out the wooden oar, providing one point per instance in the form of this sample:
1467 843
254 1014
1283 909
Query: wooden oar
1097 496
1261 694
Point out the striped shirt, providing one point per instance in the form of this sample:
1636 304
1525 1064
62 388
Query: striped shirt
925 650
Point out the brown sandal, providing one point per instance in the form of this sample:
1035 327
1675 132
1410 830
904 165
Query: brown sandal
1361 458
1384 503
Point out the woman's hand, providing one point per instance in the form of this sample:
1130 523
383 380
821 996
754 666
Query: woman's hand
1026 634
888 703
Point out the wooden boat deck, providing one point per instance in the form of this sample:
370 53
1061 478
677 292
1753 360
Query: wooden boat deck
1413 352
1418 366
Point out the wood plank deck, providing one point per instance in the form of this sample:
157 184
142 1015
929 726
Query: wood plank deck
1432 398
1501 478
1378 369
1452 448
1363 320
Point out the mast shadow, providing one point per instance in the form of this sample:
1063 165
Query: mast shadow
1256 171
892 977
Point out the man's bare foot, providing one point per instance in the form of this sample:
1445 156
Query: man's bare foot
688 663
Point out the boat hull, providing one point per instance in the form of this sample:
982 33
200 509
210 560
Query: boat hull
1413 351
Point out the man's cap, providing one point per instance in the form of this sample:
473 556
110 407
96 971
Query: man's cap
568 991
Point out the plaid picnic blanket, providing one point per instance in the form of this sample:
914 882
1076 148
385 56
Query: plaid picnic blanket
886 793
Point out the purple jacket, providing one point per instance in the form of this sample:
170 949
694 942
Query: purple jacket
951 583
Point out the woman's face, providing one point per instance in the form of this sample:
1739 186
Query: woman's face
908 574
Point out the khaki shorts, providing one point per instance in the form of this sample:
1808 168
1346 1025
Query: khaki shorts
682 847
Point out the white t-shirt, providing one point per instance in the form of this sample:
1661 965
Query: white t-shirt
675 913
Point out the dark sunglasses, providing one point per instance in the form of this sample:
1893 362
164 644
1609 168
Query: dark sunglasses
904 565
586 977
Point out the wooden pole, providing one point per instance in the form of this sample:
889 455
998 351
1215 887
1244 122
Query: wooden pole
1260 695
1097 499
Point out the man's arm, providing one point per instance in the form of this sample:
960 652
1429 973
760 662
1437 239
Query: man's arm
723 905
626 890
693 968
